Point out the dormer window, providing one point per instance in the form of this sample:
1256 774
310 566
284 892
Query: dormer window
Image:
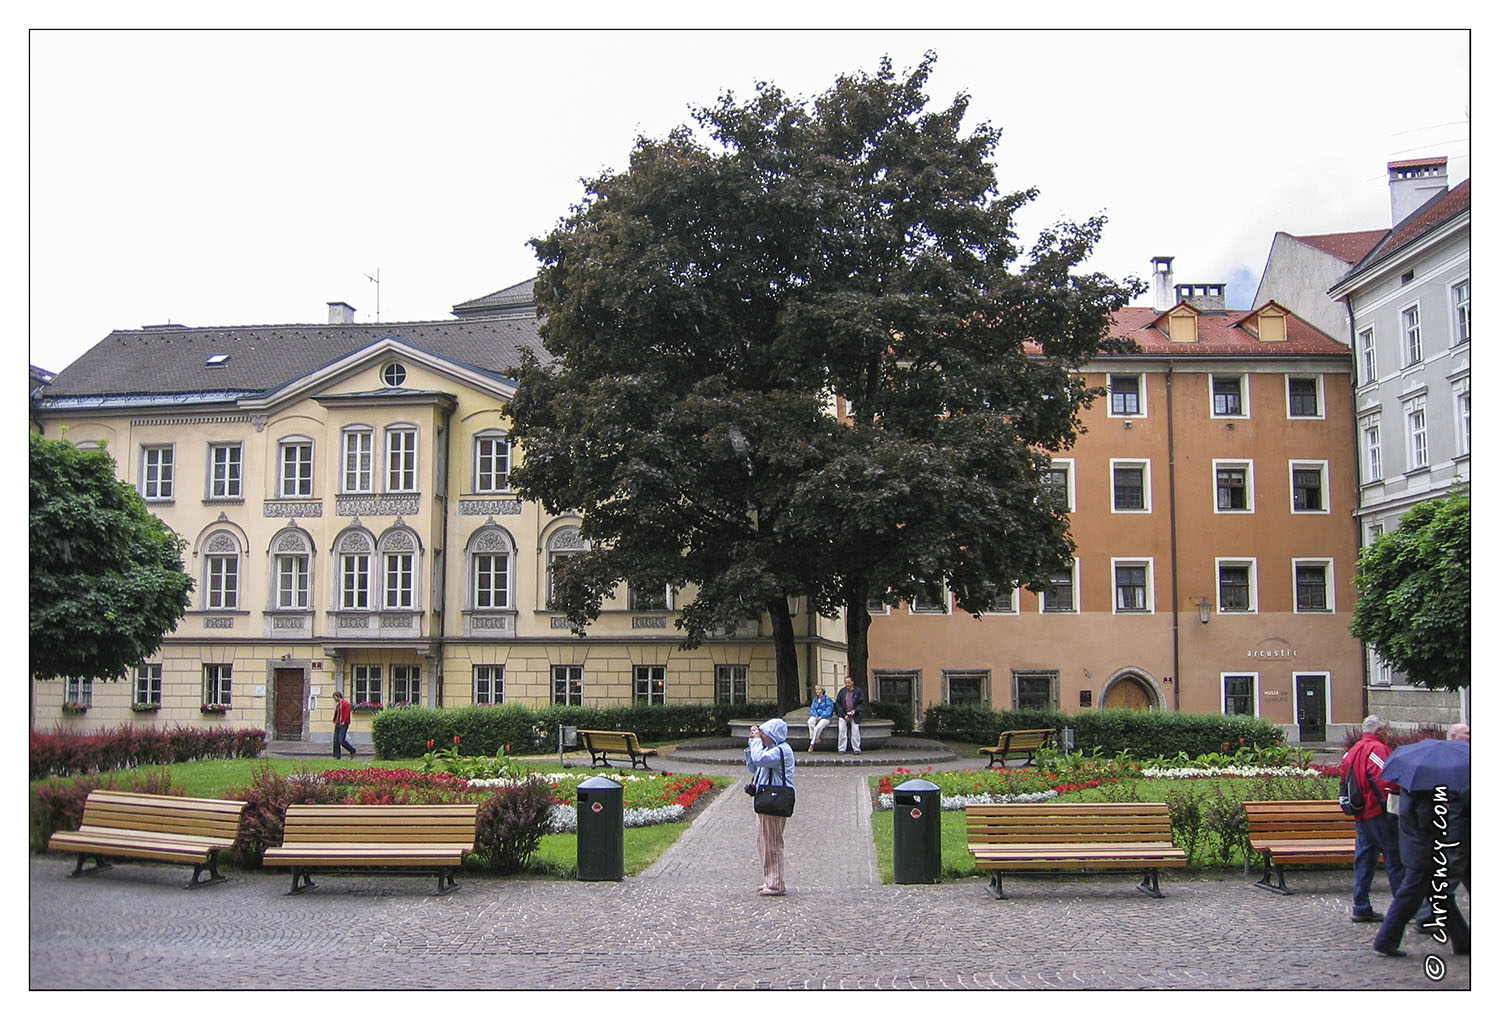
1182 326
1272 326
216 361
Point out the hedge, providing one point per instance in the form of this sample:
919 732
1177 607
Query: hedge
485 729
60 753
1144 734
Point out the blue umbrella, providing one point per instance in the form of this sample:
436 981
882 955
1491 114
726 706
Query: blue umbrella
1428 764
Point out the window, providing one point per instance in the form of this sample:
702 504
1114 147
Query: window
147 684
1309 482
491 462
1367 356
296 475
1302 396
1229 396
1372 449
359 447
1382 674
1133 586
924 603
401 460
1057 597
79 690
1234 490
1416 434
1130 483
490 552
878 606
393 374
1411 333
1461 313
1375 530
399 589
1239 693
368 685
217 685
354 571
563 543
1312 581
567 685
1005 601
1034 688
1058 483
291 581
224 471
1236 586
649 600
1461 416
960 688
731 685
406 685
156 472
489 685
222 582
1125 397
651 685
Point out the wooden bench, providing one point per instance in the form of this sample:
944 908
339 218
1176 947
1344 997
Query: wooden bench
602 743
153 827
348 839
1301 831
1027 742
1072 837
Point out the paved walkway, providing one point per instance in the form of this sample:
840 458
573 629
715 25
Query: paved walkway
693 921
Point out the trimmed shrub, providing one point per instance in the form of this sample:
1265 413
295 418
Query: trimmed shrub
59 753
1144 734
57 806
898 712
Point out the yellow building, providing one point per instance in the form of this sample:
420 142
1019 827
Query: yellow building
343 490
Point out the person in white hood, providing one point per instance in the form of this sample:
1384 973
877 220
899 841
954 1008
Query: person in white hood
770 760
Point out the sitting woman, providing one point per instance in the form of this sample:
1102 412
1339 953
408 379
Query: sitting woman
822 715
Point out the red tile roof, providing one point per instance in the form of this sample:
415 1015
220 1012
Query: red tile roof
1221 335
1439 210
1350 247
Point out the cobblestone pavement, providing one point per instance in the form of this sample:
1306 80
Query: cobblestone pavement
693 921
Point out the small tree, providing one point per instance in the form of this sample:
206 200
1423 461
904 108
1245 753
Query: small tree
106 574
1413 583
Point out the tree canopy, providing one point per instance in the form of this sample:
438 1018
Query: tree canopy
796 357
1413 606
106 574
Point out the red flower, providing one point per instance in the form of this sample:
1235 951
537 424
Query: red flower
430 743
455 739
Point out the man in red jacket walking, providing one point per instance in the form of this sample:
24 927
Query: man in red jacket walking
1375 829
343 714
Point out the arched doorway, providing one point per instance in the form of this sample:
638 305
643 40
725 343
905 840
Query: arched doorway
1130 690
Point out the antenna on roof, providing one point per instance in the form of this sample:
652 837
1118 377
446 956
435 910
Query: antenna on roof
376 281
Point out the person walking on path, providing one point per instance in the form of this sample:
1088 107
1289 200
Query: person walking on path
850 708
1375 830
1431 825
343 714
771 762
821 715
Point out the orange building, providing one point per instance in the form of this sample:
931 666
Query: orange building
1210 498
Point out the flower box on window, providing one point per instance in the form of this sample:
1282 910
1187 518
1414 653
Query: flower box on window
368 706
74 708
213 708
145 706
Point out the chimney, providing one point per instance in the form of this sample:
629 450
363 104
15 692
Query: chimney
1162 296
340 313
1414 182
1206 297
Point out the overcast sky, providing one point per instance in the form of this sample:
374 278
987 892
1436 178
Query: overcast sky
231 178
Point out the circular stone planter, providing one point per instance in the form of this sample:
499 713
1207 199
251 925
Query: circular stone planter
873 733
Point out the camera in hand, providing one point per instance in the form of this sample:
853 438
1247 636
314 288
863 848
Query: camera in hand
750 789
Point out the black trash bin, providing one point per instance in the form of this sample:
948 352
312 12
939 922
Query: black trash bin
601 830
917 833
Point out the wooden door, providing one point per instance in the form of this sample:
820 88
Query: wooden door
1312 707
1128 692
291 696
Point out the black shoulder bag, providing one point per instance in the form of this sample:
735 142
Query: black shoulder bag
778 800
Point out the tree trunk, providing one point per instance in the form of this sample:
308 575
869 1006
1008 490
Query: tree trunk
857 630
788 683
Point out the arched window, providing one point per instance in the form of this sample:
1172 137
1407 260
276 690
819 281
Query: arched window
291 569
353 557
562 543
400 560
491 554
221 571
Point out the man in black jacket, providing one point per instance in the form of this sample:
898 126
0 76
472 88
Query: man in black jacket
849 707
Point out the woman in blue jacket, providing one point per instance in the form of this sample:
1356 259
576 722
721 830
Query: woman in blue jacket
770 761
822 715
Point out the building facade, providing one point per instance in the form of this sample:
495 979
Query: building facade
1209 500
343 490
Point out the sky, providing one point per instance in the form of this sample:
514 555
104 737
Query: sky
214 178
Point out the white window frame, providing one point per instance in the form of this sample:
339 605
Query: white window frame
226 471
942 608
1369 361
733 679
1462 438
1253 583
357 460
1317 379
157 472
218 683
1140 382
291 482
1041 598
489 680
406 679
1369 431
1254 692
292 587
365 678
404 594
572 690
490 595
1146 562
221 581
1243 379
146 687
1248 466
1328 589
1462 323
1411 334
1418 449
1066 464
353 582
79 690
1116 463
488 477
650 685
1014 608
401 458
1320 466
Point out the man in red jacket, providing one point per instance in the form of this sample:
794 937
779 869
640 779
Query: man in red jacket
343 714
1375 829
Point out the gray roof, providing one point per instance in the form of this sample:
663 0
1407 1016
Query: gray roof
516 298
172 359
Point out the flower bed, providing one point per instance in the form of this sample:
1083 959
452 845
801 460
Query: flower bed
957 790
1242 771
648 800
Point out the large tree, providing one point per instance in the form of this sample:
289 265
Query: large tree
1413 606
707 305
107 582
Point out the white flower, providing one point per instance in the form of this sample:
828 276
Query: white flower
887 801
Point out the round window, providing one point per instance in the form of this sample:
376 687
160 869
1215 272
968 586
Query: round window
393 374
